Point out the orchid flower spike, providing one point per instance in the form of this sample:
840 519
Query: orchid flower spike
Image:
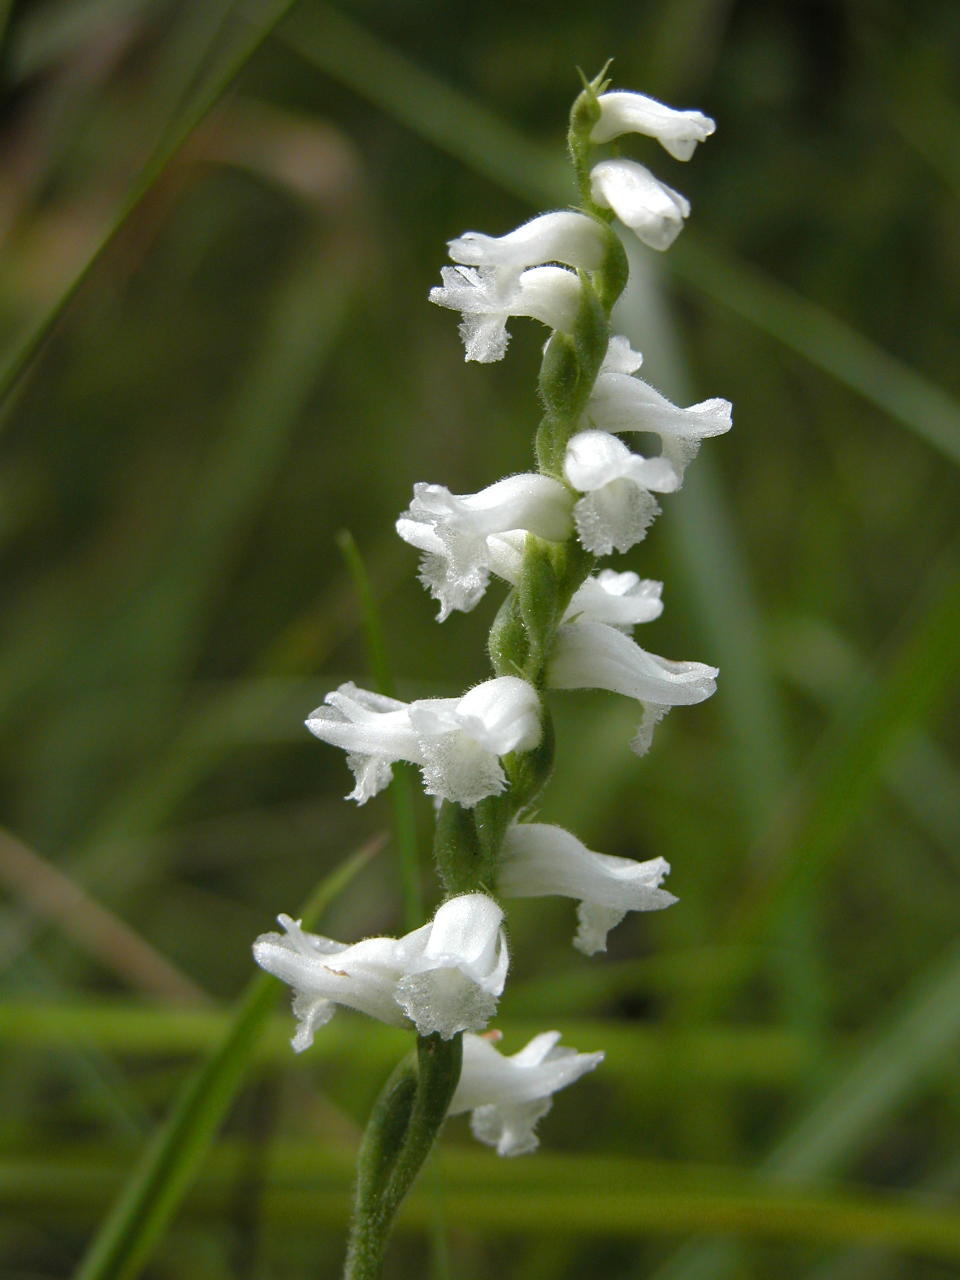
542 860
455 967
621 402
678 132
509 1094
593 655
457 742
452 531
563 236
654 211
443 977
618 506
487 299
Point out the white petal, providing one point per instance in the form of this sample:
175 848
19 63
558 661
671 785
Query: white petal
592 655
615 517
508 1095
619 402
593 925
455 968
503 714
620 357
452 530
324 973
642 202
594 458
550 295
375 731
678 132
542 860
572 238
488 296
620 599
505 551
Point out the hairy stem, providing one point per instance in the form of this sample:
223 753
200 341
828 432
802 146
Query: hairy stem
403 1127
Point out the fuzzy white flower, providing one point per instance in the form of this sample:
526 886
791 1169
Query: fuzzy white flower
592 655
455 967
618 506
509 1094
651 209
487 298
621 600
678 132
541 860
452 531
562 236
443 977
457 742
324 973
621 402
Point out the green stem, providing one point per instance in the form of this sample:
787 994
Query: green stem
405 1123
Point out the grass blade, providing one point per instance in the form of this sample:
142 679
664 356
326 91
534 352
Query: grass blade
153 1192
173 139
401 791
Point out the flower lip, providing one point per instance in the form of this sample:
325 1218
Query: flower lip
488 297
508 1094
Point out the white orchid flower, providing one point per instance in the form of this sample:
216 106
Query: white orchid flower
324 973
593 655
541 860
457 742
454 968
443 977
562 236
651 209
452 531
487 299
620 402
621 600
509 1094
618 505
678 132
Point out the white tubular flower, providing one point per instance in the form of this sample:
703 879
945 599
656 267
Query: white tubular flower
462 740
654 211
374 730
619 599
678 132
324 973
445 976
456 742
619 402
592 655
567 237
488 298
508 1095
541 860
618 506
452 531
454 968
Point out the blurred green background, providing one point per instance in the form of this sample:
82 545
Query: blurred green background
220 221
